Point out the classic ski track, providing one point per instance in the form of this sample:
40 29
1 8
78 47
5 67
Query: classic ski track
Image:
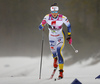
24 70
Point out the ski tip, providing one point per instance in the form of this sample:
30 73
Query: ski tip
55 79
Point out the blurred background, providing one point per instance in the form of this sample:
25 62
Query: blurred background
20 36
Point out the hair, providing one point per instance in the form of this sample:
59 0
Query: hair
55 4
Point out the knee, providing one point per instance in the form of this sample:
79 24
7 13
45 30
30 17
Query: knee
61 61
60 57
54 55
58 50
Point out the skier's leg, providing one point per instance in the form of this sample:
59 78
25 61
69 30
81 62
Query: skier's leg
60 46
53 49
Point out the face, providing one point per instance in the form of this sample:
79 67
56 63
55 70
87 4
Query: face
54 13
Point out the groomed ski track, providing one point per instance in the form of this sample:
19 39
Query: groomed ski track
25 70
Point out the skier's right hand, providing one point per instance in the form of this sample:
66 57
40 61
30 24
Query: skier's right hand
40 27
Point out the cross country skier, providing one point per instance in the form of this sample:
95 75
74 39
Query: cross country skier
54 20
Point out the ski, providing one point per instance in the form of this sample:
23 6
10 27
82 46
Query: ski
53 73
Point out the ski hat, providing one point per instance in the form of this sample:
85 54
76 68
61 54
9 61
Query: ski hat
54 7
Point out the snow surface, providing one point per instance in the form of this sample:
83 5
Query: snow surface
25 70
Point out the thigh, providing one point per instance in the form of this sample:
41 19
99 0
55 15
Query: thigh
61 41
53 45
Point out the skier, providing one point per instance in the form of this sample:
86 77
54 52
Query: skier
55 21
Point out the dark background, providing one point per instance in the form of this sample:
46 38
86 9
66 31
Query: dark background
20 36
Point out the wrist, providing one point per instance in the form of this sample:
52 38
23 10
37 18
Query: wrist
69 34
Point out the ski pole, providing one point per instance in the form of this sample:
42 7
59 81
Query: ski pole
76 51
41 54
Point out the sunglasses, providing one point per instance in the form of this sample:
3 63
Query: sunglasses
54 11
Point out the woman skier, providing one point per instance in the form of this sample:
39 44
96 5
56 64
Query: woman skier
55 21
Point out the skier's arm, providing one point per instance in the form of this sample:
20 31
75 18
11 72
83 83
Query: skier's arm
43 23
67 23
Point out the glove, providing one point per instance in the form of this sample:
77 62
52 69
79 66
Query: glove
40 27
69 40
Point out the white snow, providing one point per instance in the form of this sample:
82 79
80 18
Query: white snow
25 70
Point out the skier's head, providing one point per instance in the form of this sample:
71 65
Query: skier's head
54 10
54 7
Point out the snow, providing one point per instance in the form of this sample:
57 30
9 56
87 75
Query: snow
25 70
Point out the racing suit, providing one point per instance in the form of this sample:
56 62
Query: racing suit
56 35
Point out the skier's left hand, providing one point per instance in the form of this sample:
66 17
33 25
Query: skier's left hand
69 40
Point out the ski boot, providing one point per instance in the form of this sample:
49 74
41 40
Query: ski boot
55 64
60 74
